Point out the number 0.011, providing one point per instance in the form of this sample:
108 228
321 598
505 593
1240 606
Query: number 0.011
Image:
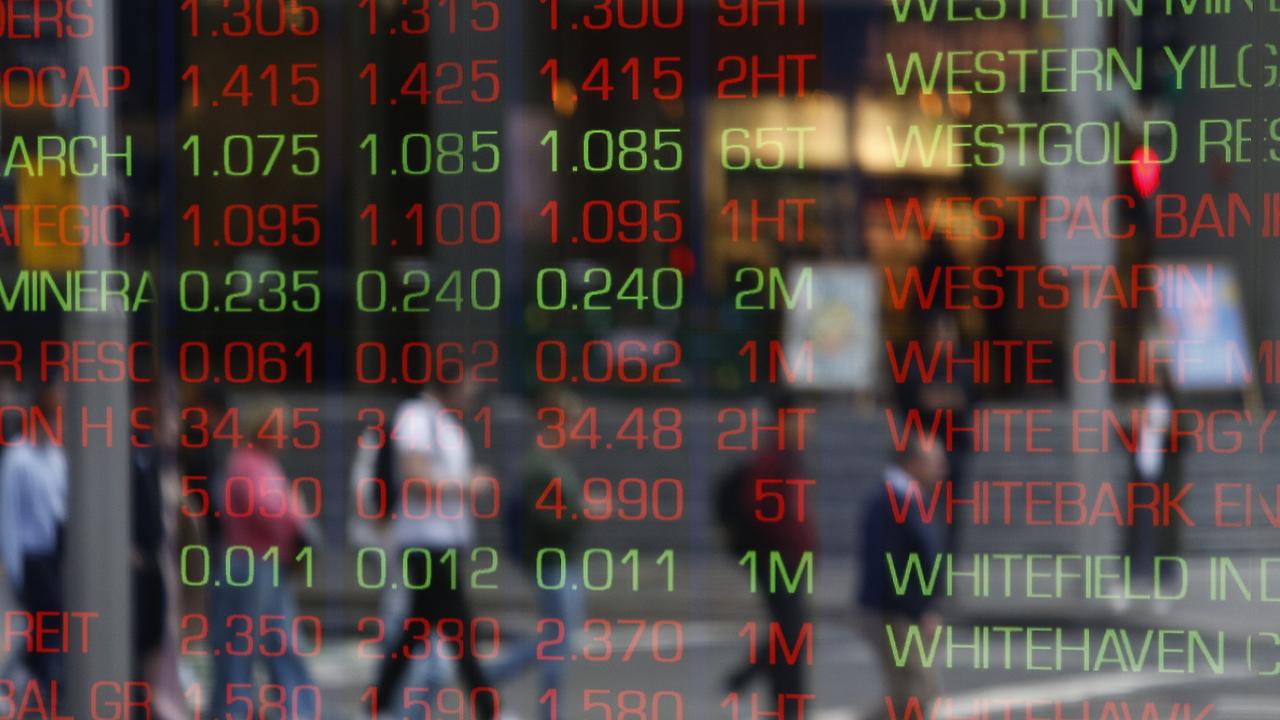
198 567
551 569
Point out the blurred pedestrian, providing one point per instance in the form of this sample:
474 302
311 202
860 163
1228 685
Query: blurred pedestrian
777 470
957 394
1156 465
259 513
147 518
201 463
33 514
885 610
431 466
543 510
201 460
155 594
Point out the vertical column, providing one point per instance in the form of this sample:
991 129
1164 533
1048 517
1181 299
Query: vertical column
97 432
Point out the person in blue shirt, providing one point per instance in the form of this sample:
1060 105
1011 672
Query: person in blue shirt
919 468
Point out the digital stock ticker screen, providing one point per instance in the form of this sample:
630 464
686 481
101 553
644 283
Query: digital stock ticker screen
639 360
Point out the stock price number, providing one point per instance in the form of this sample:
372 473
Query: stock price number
448 638
257 155
446 153
268 291
299 83
620 15
624 221
250 635
446 224
640 429
374 433
626 150
420 17
254 18
297 428
604 500
659 78
612 640
240 566
605 361
658 289
454 83
267 225
418 294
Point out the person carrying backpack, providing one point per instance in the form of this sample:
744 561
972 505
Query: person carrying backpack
431 452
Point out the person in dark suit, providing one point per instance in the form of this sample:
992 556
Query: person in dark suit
920 467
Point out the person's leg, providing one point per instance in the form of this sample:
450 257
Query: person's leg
787 610
422 603
229 606
871 627
958 460
520 652
287 670
1141 540
908 684
566 605
747 670
42 592
393 608
453 604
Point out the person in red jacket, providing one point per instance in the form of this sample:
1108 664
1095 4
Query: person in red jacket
263 528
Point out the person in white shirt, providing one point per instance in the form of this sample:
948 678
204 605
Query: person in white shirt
432 465
33 511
